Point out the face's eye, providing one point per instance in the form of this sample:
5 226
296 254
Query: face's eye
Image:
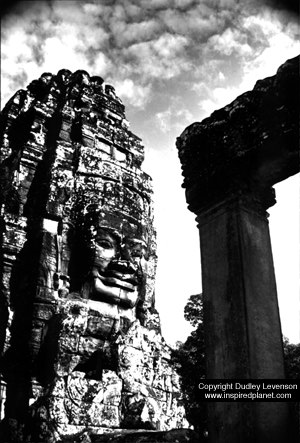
105 244
136 253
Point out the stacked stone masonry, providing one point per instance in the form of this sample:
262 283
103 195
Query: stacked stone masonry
82 351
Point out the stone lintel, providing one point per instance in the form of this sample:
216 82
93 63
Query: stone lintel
251 144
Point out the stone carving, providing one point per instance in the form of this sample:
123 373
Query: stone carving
81 342
115 266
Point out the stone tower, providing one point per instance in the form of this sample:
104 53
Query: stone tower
82 349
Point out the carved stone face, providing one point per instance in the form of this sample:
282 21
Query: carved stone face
134 250
106 249
110 280
117 261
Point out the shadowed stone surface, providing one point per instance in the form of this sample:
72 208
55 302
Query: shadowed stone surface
249 145
82 349
174 436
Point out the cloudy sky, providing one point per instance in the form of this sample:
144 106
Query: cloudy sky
172 62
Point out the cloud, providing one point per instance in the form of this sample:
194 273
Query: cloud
251 48
173 119
230 41
134 95
198 22
291 6
126 34
144 47
163 119
218 99
161 58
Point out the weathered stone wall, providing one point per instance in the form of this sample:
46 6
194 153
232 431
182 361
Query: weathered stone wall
99 386
79 331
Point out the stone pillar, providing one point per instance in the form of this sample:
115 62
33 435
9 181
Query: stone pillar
230 162
242 324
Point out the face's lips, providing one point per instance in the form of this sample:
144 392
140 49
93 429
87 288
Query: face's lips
120 280
125 295
112 281
122 266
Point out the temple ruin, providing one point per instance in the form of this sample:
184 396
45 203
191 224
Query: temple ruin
82 352
82 355
230 161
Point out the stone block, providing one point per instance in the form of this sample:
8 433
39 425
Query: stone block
112 388
88 345
159 394
66 363
76 413
43 311
148 373
95 415
110 416
81 389
68 342
44 294
36 335
58 389
57 412
75 316
65 429
100 325
104 415
130 384
132 358
158 382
